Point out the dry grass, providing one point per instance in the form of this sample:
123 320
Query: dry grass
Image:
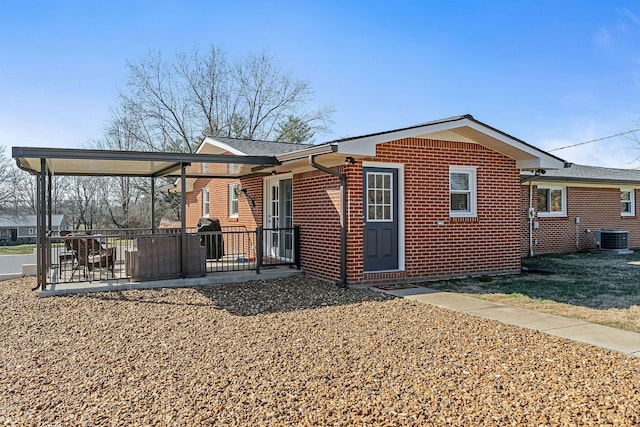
621 318
595 287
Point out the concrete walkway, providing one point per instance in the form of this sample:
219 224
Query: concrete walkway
211 279
573 329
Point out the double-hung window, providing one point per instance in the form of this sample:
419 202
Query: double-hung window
462 191
627 200
552 201
233 200
205 201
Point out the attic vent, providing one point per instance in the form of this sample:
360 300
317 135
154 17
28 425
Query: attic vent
612 239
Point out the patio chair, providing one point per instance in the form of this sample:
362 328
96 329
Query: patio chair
70 253
92 254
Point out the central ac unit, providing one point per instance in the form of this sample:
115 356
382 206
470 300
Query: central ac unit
612 239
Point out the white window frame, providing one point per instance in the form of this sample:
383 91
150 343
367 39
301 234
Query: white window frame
205 202
563 212
234 190
472 172
632 202
382 204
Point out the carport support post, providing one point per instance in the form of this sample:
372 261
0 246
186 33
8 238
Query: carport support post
183 217
153 204
49 220
41 225
49 210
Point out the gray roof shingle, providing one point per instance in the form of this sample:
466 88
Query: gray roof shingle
26 221
260 148
589 173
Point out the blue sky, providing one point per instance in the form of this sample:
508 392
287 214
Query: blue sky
552 73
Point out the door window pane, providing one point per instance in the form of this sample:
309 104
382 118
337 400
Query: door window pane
379 197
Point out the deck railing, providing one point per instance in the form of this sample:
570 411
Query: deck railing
145 254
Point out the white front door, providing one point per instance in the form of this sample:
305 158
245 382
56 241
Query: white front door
278 237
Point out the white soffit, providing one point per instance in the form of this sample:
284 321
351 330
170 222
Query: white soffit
213 146
461 130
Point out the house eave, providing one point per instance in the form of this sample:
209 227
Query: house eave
462 128
315 150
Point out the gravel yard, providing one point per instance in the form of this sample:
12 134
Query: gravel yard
291 352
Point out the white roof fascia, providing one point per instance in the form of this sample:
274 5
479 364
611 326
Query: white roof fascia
299 154
212 141
532 158
366 146
541 159
539 163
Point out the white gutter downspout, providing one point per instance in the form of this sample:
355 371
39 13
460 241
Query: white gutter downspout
342 283
531 215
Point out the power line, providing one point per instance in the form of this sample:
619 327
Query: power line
594 140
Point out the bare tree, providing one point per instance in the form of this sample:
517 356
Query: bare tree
175 103
268 99
8 177
84 202
124 203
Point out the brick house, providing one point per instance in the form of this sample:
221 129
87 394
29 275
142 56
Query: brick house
569 205
439 199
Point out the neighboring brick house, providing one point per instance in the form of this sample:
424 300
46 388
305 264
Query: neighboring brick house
440 199
569 205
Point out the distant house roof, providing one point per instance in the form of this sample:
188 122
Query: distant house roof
27 221
588 174
246 147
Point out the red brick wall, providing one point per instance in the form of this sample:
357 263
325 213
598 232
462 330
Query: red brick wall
219 202
597 208
489 243
316 209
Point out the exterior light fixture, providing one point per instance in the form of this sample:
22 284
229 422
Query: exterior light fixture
252 201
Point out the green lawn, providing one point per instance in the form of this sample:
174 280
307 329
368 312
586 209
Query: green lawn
17 249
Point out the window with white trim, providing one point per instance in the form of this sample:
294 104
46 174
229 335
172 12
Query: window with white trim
233 200
463 191
379 197
205 201
552 201
627 201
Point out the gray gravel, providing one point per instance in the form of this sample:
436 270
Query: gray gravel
292 352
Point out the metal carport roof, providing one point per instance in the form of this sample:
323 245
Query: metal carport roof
81 162
47 162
